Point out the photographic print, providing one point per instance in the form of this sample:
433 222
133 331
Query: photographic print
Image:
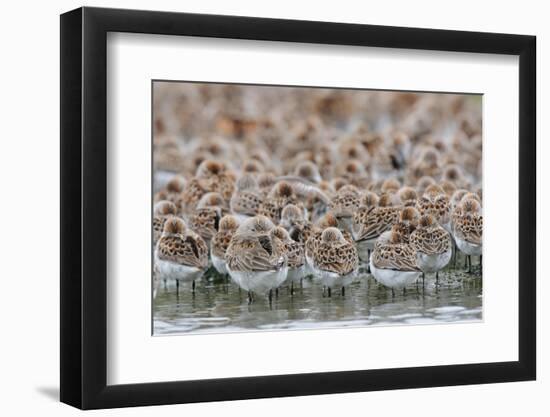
293 208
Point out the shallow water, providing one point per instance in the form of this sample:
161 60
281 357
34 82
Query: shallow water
218 306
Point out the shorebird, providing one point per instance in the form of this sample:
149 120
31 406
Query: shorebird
423 183
180 254
206 217
335 261
432 244
256 259
407 222
393 262
246 200
344 204
282 194
434 201
309 171
468 229
407 196
297 268
211 176
172 190
292 219
163 210
220 242
266 182
371 221
315 238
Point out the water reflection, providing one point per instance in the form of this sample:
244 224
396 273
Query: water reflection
219 306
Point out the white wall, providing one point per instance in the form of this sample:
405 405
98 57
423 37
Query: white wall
29 224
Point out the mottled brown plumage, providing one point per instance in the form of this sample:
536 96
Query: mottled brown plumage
182 246
211 176
369 223
220 242
335 254
247 198
434 201
395 255
294 250
281 195
163 210
468 222
429 237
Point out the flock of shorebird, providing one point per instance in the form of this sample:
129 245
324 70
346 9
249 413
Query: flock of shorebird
399 204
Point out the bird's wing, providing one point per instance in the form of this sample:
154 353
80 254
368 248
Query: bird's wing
470 228
431 242
246 203
395 256
377 222
249 254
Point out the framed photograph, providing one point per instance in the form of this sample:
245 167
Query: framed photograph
263 208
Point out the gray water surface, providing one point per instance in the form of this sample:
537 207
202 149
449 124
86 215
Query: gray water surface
218 306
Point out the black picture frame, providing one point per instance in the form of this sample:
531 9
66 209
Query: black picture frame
84 207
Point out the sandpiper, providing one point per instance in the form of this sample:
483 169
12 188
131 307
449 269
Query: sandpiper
468 229
281 195
393 263
246 199
180 254
432 244
220 242
407 196
344 204
292 219
161 212
370 222
309 171
335 260
297 268
255 259
211 176
315 238
407 223
434 201
206 217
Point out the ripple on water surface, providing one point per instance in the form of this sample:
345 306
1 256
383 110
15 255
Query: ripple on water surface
218 306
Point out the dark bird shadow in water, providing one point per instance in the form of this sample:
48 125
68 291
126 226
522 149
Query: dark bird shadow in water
50 392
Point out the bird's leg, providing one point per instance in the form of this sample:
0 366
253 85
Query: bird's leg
177 286
249 297
193 286
329 292
392 294
277 292
437 278
480 265
423 278
292 288
368 261
343 291
469 264
270 295
404 291
455 254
